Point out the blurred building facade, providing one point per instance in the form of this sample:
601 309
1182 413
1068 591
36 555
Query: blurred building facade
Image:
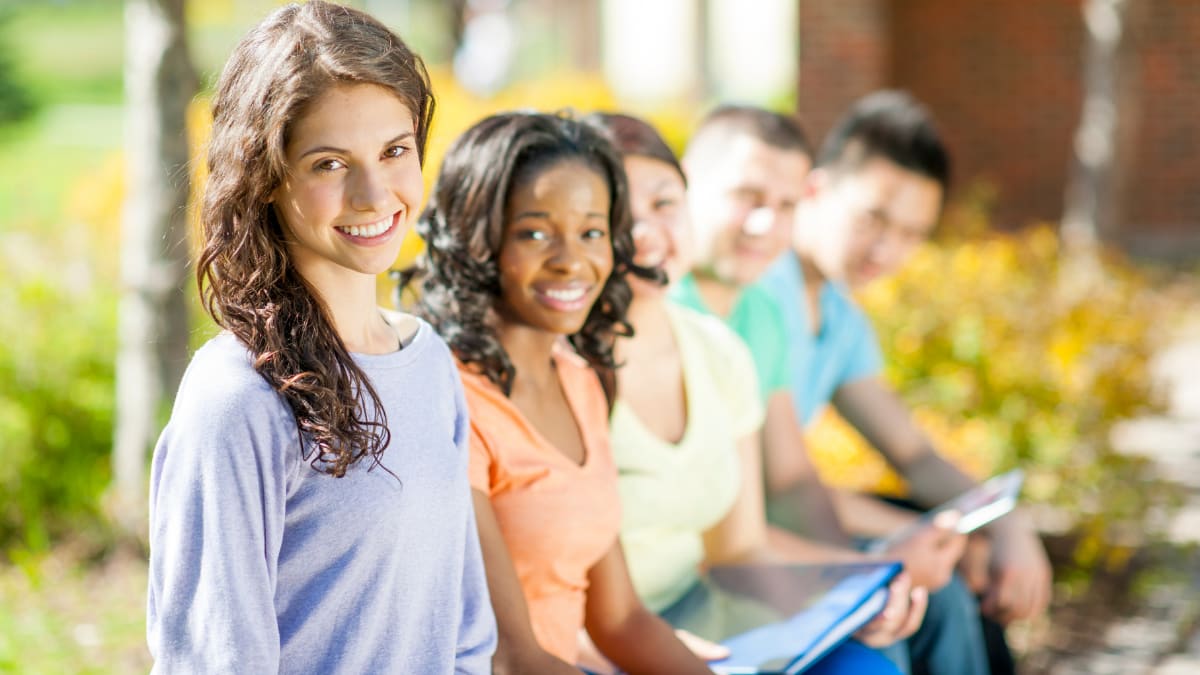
1004 79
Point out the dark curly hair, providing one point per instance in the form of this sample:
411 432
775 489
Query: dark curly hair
463 227
246 277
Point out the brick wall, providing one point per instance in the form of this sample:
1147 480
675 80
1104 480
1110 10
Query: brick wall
842 55
1003 79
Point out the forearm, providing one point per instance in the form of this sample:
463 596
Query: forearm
516 659
867 515
807 507
644 643
788 547
932 480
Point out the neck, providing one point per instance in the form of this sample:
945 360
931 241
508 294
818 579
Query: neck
529 349
651 328
719 296
813 277
354 312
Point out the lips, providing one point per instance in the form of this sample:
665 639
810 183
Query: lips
570 297
370 233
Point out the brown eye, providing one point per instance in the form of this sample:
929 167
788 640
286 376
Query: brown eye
328 165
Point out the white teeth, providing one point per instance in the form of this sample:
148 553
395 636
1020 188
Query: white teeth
372 230
565 295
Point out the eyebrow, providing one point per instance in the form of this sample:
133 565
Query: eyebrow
546 215
342 151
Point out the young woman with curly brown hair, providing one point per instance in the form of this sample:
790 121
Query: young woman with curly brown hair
310 510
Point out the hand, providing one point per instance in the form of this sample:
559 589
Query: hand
930 553
707 651
900 618
1020 580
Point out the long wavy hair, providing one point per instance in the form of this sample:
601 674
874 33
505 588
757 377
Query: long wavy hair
247 279
463 227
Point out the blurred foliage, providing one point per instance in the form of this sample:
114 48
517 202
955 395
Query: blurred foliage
1010 358
57 384
15 100
57 616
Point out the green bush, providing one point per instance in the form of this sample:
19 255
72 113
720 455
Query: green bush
15 100
56 379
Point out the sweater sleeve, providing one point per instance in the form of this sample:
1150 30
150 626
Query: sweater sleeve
217 499
477 628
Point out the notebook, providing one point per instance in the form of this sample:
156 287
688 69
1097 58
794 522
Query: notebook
820 606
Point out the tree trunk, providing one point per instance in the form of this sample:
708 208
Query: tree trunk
152 314
1089 215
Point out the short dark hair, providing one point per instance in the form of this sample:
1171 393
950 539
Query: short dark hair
780 131
891 125
633 136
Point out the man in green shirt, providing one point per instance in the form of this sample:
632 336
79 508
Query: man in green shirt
746 169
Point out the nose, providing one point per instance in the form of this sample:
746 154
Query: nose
641 230
567 256
368 190
759 221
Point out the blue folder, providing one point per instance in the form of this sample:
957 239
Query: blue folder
825 604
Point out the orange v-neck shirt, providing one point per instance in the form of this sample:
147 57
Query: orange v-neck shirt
557 517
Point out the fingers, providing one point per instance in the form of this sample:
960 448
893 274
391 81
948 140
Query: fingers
919 602
896 617
705 650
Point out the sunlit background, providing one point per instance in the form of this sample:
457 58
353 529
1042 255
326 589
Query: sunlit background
1027 334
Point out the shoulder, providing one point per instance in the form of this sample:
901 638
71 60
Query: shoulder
225 411
758 316
715 339
841 307
222 380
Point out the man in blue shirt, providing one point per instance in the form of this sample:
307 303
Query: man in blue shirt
874 197
746 169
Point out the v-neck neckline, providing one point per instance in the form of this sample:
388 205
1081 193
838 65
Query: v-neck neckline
689 400
569 397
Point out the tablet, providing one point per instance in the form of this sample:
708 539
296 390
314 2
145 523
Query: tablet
817 608
978 507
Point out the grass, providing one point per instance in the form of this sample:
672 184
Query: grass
60 616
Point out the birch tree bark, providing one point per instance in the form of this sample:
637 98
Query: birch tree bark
152 313
1088 213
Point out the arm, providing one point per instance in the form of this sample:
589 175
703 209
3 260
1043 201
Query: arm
868 516
743 535
517 650
217 502
627 633
792 481
477 627
1020 570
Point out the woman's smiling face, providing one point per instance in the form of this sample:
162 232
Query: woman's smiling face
353 183
658 201
556 253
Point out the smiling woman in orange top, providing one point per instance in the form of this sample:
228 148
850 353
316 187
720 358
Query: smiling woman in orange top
529 243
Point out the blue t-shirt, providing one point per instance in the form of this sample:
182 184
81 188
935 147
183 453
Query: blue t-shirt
844 350
261 564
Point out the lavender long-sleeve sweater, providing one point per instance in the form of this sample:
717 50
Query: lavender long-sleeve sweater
261 564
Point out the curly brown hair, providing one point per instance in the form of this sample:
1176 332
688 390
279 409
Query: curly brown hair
463 227
246 277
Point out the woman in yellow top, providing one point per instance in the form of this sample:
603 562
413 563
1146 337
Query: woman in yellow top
685 428
529 244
